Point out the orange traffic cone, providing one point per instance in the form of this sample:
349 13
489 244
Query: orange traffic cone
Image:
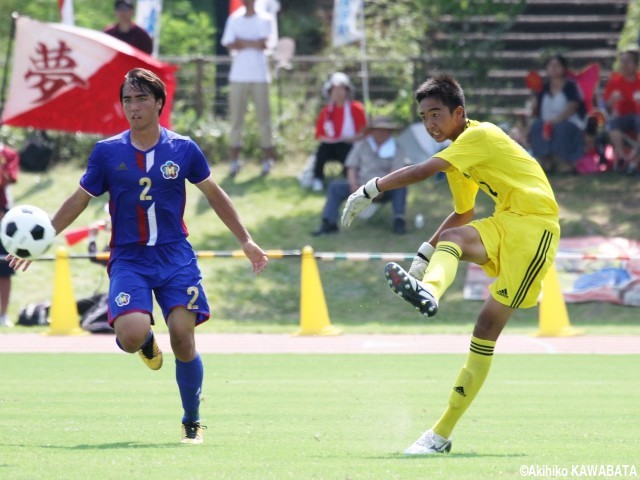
314 315
553 316
64 311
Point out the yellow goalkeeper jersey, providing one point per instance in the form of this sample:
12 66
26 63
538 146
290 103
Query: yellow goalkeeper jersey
484 157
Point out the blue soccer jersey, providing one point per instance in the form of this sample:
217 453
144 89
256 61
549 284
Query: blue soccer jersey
147 190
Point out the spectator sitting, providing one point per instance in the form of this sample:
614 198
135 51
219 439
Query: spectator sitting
556 133
126 30
622 97
376 155
339 124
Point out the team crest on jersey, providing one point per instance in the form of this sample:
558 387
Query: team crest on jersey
123 299
170 170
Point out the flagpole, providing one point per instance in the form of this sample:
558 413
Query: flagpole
5 72
363 58
66 12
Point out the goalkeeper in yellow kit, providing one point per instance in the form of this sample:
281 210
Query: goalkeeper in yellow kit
516 245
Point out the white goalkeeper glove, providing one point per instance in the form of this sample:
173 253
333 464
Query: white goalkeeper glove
421 261
359 200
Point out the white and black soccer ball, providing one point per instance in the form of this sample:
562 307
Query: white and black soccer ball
26 231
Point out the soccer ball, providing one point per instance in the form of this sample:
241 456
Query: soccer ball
26 231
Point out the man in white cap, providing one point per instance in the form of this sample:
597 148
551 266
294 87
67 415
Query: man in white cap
339 124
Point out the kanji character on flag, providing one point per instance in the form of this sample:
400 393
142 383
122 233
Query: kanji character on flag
68 78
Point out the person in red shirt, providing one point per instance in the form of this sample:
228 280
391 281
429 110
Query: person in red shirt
126 30
622 96
9 167
339 124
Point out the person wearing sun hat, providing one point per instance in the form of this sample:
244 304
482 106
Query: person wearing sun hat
378 152
339 124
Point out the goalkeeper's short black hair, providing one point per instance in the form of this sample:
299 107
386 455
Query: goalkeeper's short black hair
443 87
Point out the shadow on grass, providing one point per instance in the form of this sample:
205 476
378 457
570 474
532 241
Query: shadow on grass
109 446
42 183
401 456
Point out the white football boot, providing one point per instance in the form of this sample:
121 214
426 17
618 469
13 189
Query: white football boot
428 443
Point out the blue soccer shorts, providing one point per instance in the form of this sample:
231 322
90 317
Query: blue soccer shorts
168 271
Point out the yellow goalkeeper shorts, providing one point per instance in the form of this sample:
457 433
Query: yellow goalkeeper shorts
521 248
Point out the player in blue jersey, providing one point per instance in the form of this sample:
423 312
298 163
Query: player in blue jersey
144 170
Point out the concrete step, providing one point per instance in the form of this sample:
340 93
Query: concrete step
586 31
564 7
530 59
514 78
541 18
541 23
534 39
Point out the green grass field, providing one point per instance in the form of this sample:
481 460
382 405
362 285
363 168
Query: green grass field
77 416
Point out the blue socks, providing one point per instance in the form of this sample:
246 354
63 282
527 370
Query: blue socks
189 376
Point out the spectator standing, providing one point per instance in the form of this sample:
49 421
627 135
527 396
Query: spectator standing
339 124
559 118
376 155
126 30
622 97
246 37
9 167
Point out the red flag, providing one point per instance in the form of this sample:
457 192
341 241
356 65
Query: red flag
68 78
534 81
587 79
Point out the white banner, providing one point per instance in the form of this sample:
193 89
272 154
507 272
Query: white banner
590 269
148 14
345 22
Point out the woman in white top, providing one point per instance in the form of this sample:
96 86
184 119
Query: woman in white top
557 131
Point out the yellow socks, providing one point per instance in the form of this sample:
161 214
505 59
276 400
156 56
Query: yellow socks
442 268
467 384
439 275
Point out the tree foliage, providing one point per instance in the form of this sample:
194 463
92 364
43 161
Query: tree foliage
630 36
185 29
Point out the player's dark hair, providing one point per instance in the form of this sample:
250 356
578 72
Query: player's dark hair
443 87
145 81
561 59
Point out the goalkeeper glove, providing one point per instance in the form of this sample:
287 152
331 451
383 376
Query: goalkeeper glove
421 261
359 200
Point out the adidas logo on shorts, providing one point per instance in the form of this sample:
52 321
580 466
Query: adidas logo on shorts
503 293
